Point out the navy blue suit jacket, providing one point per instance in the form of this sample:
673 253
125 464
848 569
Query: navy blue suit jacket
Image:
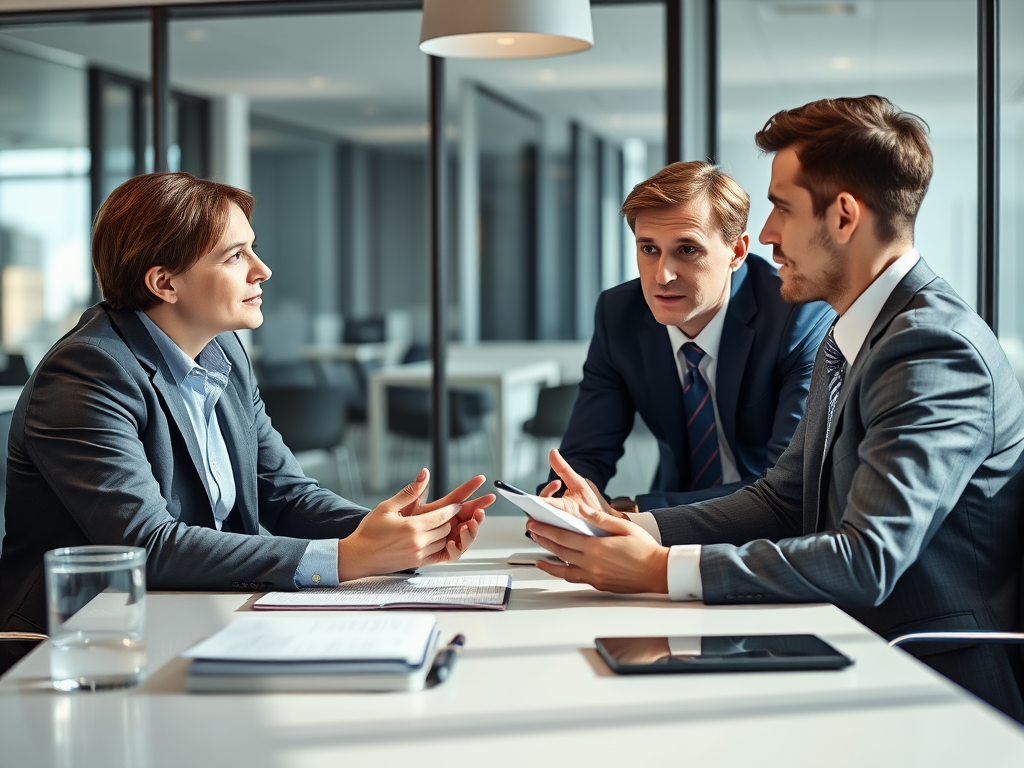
764 370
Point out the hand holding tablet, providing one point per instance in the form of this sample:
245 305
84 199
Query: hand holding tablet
536 508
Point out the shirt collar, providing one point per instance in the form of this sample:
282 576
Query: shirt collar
212 358
709 339
852 327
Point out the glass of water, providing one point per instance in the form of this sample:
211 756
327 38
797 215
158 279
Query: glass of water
96 603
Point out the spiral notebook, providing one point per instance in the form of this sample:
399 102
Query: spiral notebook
489 592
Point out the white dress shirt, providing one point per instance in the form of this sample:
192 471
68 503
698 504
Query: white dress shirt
684 581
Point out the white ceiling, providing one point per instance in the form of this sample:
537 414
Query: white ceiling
361 75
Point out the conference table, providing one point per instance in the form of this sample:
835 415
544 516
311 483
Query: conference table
529 689
513 386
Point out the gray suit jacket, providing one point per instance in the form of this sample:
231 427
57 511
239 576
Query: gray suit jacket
102 452
913 518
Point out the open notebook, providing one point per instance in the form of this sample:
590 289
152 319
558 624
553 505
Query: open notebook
397 591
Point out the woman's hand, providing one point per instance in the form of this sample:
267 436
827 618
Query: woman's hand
401 533
465 524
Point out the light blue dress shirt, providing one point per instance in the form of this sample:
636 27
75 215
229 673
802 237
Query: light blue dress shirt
200 383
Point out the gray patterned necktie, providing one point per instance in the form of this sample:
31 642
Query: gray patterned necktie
835 365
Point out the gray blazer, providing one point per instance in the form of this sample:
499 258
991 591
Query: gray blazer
913 518
102 452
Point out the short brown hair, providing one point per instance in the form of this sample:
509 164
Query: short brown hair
866 146
681 183
159 219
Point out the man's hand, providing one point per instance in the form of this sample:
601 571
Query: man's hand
552 488
395 536
629 560
464 525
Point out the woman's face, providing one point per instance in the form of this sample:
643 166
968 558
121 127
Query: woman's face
221 292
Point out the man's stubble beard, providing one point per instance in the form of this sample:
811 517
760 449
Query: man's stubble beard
833 283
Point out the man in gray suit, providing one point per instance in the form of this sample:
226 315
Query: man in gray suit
144 427
899 498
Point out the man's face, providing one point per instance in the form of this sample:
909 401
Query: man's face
221 291
812 268
685 264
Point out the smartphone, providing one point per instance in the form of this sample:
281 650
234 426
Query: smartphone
718 653
537 509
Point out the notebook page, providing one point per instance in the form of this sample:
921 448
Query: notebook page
376 591
320 637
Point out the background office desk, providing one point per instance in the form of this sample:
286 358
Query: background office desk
528 690
512 385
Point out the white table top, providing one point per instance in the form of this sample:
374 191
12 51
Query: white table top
529 688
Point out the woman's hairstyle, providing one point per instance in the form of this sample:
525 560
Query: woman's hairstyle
169 220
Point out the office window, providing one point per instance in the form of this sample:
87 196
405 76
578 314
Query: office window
920 54
600 118
45 274
1011 170
334 131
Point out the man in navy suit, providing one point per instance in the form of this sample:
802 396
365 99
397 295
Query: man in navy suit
702 345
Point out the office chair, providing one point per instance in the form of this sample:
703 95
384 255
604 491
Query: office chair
296 373
313 419
971 637
409 415
554 407
15 373
364 330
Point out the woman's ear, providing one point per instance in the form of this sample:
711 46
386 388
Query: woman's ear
159 282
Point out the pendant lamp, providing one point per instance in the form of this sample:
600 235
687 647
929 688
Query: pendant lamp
505 29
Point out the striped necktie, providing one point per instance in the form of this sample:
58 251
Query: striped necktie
835 365
705 463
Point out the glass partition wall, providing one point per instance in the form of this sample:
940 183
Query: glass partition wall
324 117
795 53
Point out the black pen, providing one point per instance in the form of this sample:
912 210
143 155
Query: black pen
445 660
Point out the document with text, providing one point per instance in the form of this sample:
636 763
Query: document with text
398 591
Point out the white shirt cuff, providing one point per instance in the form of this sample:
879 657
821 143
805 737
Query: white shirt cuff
646 521
684 581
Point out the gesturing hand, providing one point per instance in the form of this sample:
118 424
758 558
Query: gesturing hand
629 560
465 524
400 533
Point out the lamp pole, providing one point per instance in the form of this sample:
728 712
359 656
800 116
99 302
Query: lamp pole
438 279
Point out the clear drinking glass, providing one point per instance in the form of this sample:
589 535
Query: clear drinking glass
96 602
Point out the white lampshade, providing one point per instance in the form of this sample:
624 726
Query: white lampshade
505 29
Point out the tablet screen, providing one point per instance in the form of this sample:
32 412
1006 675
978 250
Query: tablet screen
715 653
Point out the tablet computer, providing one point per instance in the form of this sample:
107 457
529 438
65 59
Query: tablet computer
537 509
718 653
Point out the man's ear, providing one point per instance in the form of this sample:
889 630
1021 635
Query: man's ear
740 249
159 282
847 214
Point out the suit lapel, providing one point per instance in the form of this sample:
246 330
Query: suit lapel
148 354
737 341
918 277
660 367
237 437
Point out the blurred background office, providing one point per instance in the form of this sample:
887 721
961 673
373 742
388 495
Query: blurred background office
321 110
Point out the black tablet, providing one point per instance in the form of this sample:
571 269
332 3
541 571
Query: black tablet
714 653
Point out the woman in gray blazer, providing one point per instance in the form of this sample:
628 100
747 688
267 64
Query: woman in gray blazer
144 426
